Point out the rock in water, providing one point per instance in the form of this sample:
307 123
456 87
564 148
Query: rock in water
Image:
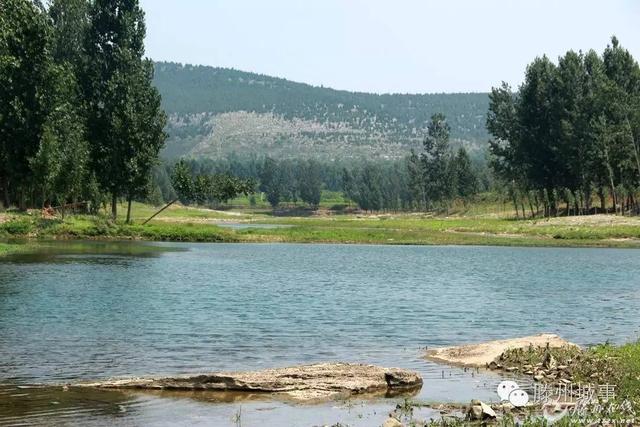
392 422
482 354
320 381
479 411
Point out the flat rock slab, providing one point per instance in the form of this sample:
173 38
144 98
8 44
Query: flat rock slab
320 381
480 355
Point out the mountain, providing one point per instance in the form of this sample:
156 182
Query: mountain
214 112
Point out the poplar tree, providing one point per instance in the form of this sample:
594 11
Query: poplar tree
435 160
465 178
25 72
123 107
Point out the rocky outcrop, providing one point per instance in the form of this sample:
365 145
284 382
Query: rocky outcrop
480 411
320 381
482 354
392 422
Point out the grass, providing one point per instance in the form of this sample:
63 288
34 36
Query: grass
179 223
613 415
425 230
329 200
89 228
601 364
141 212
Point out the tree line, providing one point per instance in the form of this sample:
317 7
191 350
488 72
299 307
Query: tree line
432 179
570 133
80 120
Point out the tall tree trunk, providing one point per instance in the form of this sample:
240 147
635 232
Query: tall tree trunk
587 201
515 204
576 203
636 150
22 205
611 180
553 203
603 200
114 206
129 209
531 205
7 200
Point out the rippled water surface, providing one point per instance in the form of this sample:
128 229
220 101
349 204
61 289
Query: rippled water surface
74 315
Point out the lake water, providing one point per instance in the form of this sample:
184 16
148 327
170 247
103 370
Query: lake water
124 310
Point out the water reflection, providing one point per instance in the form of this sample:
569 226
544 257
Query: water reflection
21 405
39 405
106 252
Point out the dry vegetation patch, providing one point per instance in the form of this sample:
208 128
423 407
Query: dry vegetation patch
591 220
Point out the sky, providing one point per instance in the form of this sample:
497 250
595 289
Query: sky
386 46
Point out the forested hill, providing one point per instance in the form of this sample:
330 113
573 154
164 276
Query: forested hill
215 112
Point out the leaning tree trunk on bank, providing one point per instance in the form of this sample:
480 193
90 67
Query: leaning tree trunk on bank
160 211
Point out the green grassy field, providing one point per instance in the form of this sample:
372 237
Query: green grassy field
179 223
414 229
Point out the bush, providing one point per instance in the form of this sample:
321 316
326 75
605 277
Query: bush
17 228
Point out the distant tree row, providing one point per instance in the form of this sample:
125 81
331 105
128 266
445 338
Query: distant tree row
570 132
437 176
80 120
426 181
281 181
291 181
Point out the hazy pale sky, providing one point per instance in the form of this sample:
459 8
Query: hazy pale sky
407 46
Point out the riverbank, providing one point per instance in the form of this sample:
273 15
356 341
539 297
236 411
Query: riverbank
185 224
611 372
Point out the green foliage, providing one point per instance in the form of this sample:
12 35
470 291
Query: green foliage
25 72
79 116
126 122
203 189
271 181
310 183
436 159
570 129
17 228
465 178
436 177
70 22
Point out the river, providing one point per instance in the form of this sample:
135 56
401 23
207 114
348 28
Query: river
86 312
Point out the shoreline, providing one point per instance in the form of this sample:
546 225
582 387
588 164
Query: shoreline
30 244
195 225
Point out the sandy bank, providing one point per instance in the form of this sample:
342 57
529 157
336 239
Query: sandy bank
310 382
481 354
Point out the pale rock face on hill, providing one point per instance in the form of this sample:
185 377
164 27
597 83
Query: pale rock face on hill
244 132
214 112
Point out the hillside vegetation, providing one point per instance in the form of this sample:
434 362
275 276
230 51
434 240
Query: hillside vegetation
214 112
